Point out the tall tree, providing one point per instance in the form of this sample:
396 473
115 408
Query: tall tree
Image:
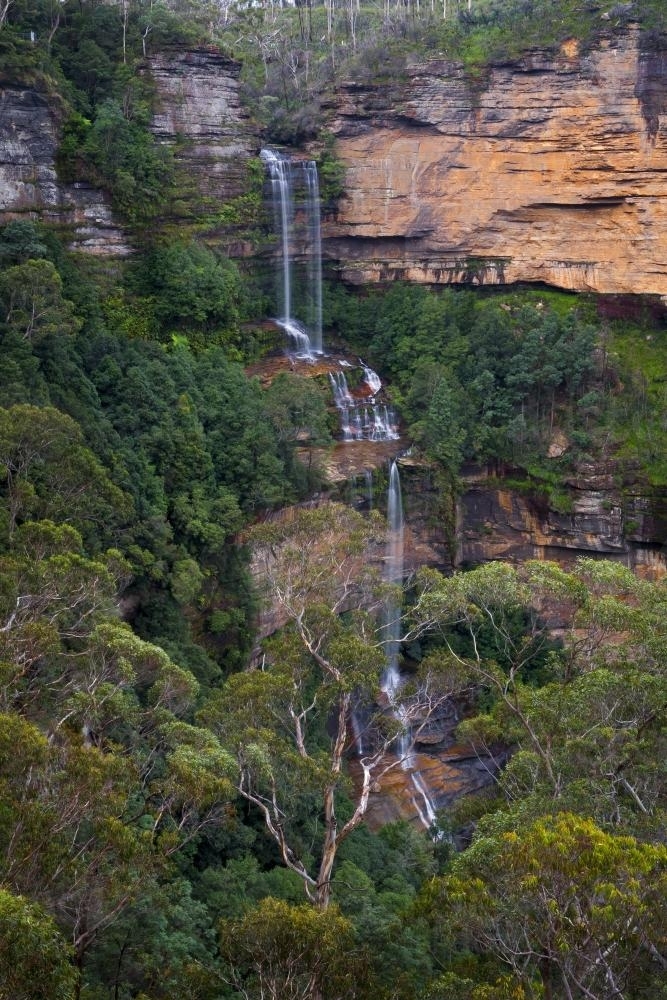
291 722
562 902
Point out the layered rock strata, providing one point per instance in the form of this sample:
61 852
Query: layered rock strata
30 124
553 170
199 117
604 520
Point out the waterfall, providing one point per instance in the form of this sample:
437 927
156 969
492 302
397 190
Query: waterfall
314 254
341 393
371 378
391 679
393 573
365 419
426 811
301 322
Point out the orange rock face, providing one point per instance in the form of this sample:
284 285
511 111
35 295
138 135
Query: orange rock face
555 172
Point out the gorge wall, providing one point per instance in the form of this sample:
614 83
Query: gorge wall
198 116
606 518
552 169
31 118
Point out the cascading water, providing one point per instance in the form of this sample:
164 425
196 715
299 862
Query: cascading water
391 637
303 322
314 255
363 419
341 393
371 378
393 573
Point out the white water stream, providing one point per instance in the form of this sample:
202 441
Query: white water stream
363 419
302 320
391 634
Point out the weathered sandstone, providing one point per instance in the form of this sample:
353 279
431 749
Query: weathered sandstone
554 170
30 122
605 520
199 117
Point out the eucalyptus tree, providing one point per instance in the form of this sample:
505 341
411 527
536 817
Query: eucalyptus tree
288 952
102 778
291 721
571 910
585 713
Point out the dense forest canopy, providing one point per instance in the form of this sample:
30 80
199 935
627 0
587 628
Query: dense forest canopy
176 824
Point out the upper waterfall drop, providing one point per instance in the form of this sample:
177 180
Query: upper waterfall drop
315 254
296 182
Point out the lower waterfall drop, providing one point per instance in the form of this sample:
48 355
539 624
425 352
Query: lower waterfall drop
391 637
393 573
368 477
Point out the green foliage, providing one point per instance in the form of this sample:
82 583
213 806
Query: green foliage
186 287
47 471
121 155
294 952
552 899
485 378
32 301
34 957
636 358
331 172
297 409
583 720
20 242
133 449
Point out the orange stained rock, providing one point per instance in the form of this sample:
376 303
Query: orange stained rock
555 172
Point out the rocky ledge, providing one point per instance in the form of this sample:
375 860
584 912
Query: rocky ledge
553 170
199 115
604 519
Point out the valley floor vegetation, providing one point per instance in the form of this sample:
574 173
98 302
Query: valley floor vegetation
165 814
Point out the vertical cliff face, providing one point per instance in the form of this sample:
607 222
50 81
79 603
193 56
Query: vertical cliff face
30 123
198 115
604 519
553 170
28 141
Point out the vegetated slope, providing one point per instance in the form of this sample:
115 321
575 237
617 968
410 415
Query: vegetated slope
133 448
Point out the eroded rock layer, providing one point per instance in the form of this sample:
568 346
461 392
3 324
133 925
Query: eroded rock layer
198 116
30 124
604 519
553 170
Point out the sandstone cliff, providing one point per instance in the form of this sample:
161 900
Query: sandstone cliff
30 122
551 170
198 115
606 519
